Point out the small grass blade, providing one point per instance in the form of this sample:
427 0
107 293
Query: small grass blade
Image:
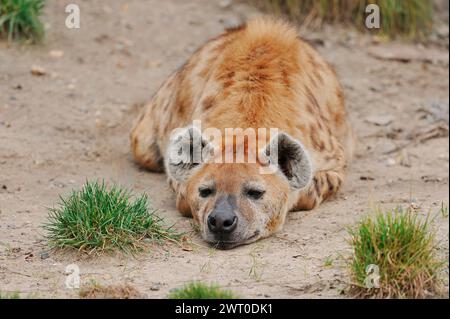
20 20
198 290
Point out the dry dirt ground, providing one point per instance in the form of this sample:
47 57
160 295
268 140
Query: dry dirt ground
58 129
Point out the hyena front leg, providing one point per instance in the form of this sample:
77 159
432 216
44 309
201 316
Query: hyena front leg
324 185
181 202
144 142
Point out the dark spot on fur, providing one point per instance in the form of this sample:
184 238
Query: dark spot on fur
330 183
208 103
312 100
228 83
310 108
316 185
166 105
286 80
320 125
316 141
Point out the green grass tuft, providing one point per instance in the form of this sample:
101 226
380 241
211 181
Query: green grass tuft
98 219
402 246
20 20
14 295
198 290
411 18
444 210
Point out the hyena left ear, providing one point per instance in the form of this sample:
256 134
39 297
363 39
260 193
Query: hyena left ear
186 152
291 158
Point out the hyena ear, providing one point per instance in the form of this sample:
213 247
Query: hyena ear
187 151
291 158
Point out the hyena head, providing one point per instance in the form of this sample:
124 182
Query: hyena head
237 203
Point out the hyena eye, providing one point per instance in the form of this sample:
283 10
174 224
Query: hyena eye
254 193
206 192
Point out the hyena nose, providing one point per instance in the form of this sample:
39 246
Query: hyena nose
222 222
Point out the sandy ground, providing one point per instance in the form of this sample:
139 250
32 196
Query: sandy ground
72 123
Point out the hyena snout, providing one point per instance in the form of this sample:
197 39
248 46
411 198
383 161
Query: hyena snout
223 220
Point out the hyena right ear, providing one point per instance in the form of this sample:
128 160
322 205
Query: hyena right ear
290 157
186 152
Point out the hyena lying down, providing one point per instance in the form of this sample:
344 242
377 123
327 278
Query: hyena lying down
260 75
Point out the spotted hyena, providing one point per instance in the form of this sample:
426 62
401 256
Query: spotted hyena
259 75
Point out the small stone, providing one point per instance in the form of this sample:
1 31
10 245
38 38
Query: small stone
29 256
38 70
155 286
436 111
153 64
390 162
376 88
431 179
380 120
233 22
38 162
45 255
224 4
56 54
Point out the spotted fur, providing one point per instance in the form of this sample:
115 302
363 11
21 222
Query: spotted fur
260 75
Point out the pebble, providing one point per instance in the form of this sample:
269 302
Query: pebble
390 162
45 255
38 70
56 54
224 4
380 120
155 287
232 22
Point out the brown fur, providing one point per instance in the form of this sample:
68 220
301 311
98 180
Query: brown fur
261 75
